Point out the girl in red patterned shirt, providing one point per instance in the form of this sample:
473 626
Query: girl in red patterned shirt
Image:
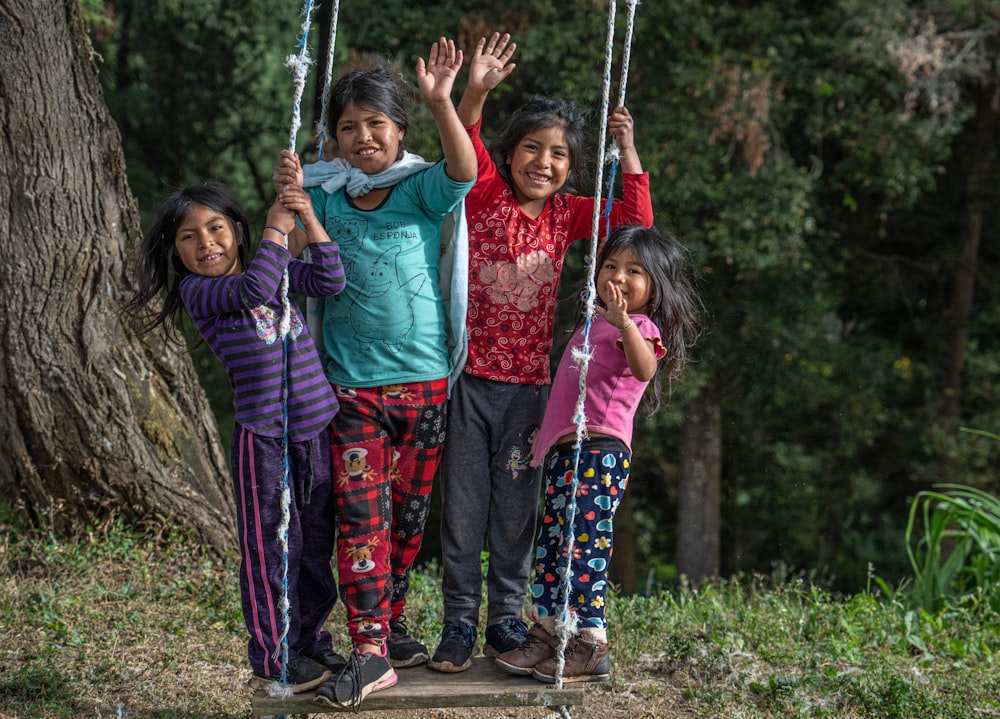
522 216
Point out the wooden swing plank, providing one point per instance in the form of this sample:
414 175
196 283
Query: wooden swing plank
482 685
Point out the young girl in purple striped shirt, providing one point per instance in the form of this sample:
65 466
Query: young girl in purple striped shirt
197 250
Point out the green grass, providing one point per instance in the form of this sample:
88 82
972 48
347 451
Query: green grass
132 624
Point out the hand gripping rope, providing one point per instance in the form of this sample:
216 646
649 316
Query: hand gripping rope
566 622
299 65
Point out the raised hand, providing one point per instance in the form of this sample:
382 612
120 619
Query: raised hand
490 63
436 76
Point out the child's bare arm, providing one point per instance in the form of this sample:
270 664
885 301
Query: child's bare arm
297 200
436 77
280 221
640 352
490 65
287 174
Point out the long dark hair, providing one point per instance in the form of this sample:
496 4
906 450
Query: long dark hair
158 265
544 112
673 305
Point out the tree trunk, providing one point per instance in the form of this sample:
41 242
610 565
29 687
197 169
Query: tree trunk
93 420
699 480
981 150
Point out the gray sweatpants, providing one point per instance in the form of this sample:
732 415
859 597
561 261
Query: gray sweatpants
489 492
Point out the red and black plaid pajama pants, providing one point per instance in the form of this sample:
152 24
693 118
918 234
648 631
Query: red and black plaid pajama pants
386 444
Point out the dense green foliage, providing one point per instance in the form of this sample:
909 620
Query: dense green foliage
822 161
130 624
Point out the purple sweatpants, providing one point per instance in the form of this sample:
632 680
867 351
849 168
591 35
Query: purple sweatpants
258 472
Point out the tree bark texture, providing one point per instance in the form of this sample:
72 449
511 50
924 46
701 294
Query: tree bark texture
981 151
699 494
92 419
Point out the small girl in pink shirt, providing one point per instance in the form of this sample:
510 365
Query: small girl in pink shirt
647 312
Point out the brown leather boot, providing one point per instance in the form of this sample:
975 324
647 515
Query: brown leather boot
538 645
585 662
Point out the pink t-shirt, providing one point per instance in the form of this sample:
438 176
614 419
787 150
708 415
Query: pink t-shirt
613 392
515 263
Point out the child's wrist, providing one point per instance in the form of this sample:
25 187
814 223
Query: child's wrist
281 233
627 326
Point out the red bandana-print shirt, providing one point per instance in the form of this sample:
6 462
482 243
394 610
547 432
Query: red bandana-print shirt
515 263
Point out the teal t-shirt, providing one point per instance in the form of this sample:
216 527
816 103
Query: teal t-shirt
388 325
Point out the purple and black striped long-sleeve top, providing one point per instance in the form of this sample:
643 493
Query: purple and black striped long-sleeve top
239 317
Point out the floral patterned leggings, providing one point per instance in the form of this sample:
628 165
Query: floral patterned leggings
603 476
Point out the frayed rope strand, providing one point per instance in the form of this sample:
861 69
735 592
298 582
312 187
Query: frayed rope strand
566 623
299 65
322 125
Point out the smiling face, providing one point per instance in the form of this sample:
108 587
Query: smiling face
207 243
621 269
369 140
539 166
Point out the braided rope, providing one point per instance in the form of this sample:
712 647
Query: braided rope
567 623
300 67
613 151
322 130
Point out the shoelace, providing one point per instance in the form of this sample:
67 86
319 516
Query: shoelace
454 631
353 669
400 626
510 628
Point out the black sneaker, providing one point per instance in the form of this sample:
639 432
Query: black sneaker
454 651
404 650
330 659
504 636
363 674
301 675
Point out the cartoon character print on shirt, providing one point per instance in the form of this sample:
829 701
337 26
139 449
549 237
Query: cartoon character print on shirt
349 234
269 322
382 281
356 467
518 283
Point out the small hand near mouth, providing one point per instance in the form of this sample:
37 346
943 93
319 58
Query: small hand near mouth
616 310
